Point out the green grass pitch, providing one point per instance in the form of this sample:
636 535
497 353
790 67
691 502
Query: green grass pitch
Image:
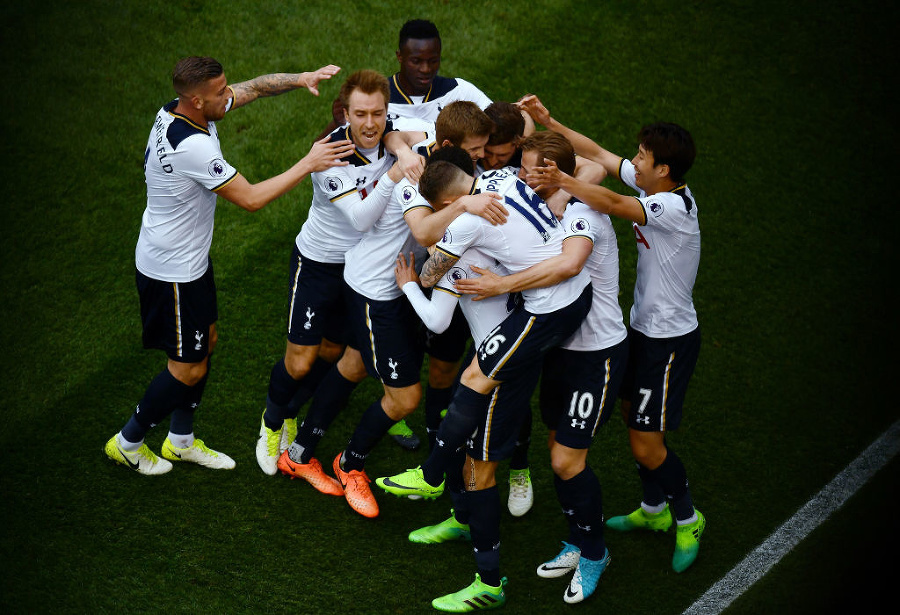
789 104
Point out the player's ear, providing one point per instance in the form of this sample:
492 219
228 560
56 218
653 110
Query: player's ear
661 170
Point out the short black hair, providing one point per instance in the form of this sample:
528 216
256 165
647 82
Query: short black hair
670 144
419 29
509 125
437 179
456 156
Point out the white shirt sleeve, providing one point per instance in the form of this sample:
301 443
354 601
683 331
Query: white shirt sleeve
364 212
202 161
626 174
460 235
437 313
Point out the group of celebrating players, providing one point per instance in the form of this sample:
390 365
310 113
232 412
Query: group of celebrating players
446 224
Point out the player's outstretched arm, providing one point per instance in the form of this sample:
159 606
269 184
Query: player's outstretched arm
246 92
585 170
575 252
584 146
252 197
596 197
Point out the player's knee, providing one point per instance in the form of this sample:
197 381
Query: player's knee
400 403
330 351
298 360
188 373
351 366
441 374
567 463
473 378
648 449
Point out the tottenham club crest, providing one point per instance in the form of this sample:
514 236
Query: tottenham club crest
216 168
333 184
656 208
580 226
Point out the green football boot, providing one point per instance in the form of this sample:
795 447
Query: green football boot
642 520
410 484
476 596
445 531
687 543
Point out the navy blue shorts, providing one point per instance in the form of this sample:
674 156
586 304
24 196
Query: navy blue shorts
176 316
657 377
449 346
386 335
520 341
318 300
495 438
579 390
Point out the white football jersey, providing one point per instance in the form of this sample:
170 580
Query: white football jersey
483 316
668 258
407 112
369 266
603 327
183 165
530 235
327 234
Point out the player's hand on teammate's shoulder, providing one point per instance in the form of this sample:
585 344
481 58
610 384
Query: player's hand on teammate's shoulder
405 271
324 154
485 205
312 79
532 105
411 166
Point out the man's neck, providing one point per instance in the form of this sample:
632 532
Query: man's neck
663 185
190 112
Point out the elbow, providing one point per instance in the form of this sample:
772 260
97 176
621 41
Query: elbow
424 239
251 206
439 327
360 226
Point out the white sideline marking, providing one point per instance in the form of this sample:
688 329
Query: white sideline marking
832 497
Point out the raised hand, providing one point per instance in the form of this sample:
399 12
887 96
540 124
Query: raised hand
324 154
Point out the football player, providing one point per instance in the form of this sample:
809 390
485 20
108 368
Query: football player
507 363
663 332
346 202
580 378
185 171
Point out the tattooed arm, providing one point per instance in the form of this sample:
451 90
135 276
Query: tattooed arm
435 267
246 92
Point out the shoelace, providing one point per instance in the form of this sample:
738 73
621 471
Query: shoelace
205 449
273 442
